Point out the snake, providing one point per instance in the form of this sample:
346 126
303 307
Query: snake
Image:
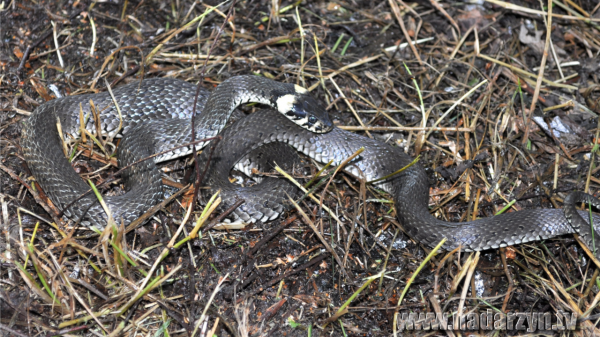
154 117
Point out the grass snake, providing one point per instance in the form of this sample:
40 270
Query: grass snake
156 117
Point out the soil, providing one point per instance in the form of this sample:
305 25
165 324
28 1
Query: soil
518 140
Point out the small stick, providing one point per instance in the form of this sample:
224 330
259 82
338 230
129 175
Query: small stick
470 271
98 125
60 134
435 4
201 177
290 273
404 128
60 60
125 75
48 207
30 48
510 280
222 216
94 38
212 296
528 74
133 225
397 13
11 331
268 238
350 106
108 60
120 127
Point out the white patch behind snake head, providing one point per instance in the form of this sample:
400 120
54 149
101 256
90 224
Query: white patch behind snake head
286 103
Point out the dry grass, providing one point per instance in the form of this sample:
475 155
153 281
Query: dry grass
462 94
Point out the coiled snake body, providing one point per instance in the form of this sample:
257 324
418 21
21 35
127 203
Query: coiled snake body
155 117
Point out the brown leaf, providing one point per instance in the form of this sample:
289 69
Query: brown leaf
187 198
510 253
40 89
18 53
273 309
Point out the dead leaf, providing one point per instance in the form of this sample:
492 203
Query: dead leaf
40 89
510 253
537 45
187 198
273 309
18 53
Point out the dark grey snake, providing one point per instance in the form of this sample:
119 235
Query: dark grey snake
156 117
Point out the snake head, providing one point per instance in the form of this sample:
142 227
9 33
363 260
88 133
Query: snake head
304 110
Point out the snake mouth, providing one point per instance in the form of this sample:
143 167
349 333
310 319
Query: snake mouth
317 127
310 123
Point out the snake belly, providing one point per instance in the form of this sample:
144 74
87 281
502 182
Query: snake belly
409 188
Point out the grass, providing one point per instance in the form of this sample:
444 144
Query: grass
482 73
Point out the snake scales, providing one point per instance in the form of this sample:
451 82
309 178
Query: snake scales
156 117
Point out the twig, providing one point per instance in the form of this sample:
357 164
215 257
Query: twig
350 106
435 4
48 207
94 38
30 48
470 271
153 210
344 68
405 128
463 97
105 63
510 280
290 273
128 73
13 332
397 13
268 238
55 34
212 296
222 216
526 73
537 12
267 42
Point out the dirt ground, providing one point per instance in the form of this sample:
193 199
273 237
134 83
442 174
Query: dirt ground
468 98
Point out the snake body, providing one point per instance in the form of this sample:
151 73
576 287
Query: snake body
154 117
409 188
299 124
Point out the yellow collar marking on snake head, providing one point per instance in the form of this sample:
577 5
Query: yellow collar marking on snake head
300 89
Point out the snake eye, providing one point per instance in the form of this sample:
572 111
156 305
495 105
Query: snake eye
312 119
